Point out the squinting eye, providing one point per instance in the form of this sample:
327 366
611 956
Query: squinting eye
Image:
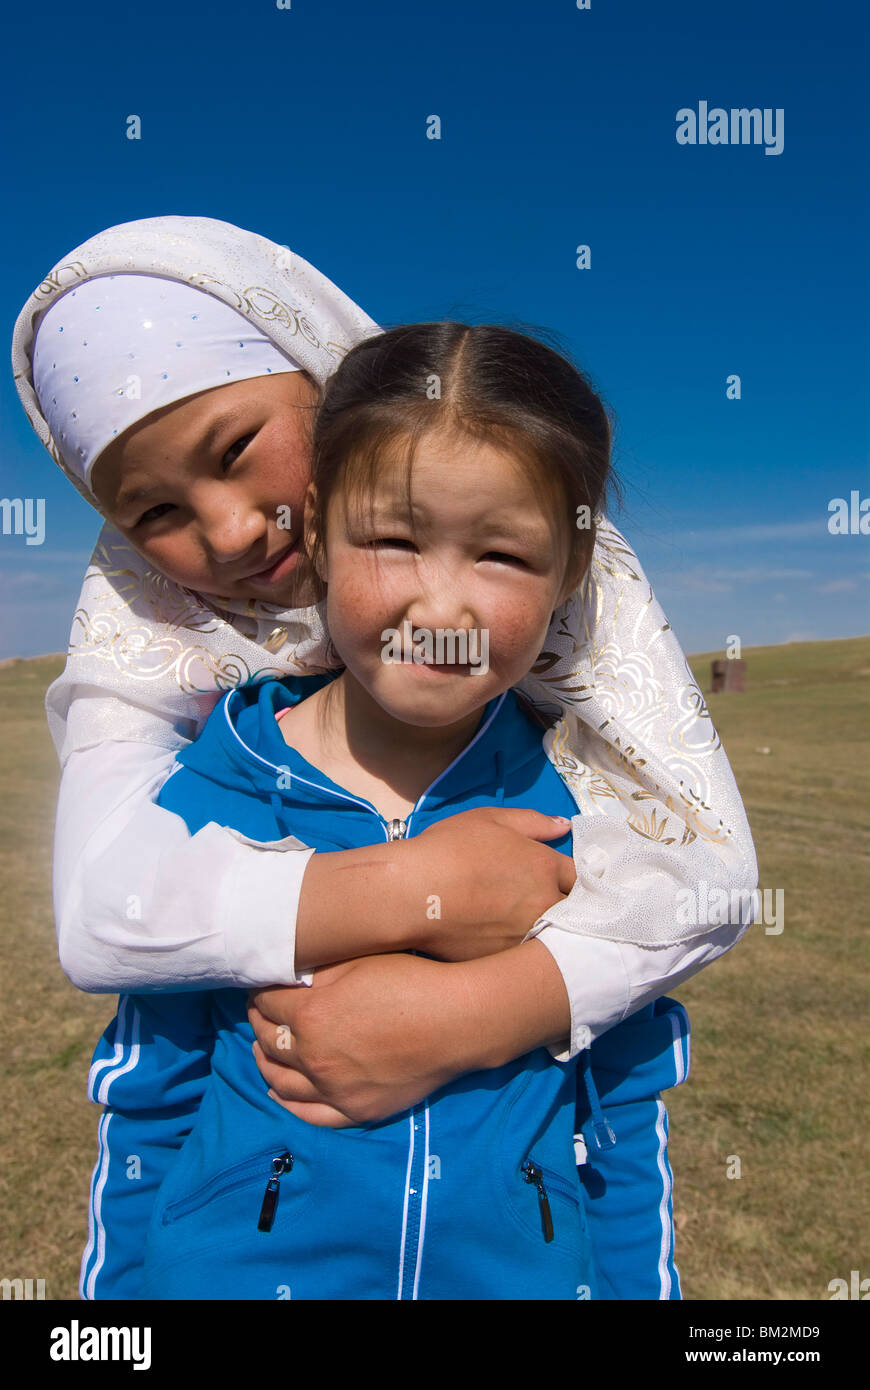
399 541
240 446
153 513
502 558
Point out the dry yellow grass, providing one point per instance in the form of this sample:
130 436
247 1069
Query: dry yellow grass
47 1029
779 1042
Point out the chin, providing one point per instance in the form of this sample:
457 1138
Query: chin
294 594
433 709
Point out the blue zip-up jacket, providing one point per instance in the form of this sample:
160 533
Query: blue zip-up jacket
474 1193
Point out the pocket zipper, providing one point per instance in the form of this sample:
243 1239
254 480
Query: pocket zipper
280 1165
238 1176
535 1175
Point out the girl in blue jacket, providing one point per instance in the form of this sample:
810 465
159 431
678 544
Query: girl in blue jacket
457 475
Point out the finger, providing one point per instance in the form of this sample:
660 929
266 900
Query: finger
259 1012
567 874
289 1082
278 1003
534 824
315 1113
259 998
276 1039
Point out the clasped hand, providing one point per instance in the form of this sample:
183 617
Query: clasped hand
359 1044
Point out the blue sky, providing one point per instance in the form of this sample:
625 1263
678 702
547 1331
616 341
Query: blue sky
558 129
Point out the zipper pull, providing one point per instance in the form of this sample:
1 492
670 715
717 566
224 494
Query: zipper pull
396 829
282 1164
534 1175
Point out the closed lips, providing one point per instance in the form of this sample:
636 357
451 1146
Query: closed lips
266 570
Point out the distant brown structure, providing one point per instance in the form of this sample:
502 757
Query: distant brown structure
728 676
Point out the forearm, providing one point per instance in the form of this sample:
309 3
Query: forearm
357 902
143 904
468 886
374 1036
503 1006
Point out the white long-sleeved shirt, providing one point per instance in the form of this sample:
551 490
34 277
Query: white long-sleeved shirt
141 904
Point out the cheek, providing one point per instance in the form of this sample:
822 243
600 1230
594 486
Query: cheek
358 598
518 618
177 558
285 467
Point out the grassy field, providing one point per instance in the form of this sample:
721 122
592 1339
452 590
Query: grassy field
779 1048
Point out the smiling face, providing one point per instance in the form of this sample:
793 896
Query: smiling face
211 490
486 554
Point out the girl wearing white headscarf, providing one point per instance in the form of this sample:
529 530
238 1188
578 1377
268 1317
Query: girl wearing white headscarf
142 905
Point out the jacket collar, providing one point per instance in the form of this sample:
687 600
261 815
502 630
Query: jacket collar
241 747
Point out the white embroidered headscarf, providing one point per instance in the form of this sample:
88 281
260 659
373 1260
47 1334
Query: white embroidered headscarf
118 347
661 814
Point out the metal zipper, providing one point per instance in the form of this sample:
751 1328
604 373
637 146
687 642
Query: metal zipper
533 1174
280 1165
412 1220
396 829
239 1175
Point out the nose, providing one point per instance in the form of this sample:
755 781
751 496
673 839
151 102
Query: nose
441 598
229 526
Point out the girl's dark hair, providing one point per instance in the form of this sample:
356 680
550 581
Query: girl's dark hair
498 385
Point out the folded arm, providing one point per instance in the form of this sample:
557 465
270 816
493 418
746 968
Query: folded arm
375 1036
142 904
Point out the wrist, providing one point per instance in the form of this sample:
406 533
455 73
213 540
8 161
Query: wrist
403 899
405 915
515 1002
465 1038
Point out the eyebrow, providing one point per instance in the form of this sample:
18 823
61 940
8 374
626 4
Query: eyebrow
218 425
126 497
517 528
